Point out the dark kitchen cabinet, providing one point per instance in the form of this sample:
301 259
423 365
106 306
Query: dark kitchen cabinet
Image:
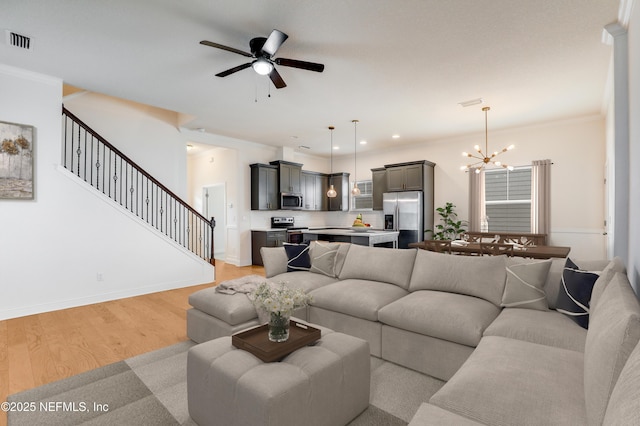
314 191
340 182
264 187
261 239
379 181
405 177
289 175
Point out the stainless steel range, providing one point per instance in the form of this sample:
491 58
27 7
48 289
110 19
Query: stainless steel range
294 233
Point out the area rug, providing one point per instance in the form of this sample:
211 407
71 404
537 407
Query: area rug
151 389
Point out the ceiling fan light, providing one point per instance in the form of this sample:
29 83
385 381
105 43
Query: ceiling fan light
262 66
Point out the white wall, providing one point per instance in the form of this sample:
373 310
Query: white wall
149 136
54 247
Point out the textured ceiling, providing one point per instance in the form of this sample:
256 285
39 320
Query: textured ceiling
400 67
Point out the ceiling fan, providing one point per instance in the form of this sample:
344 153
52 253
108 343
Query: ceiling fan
262 50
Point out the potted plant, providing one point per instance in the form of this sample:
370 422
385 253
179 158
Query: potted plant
450 227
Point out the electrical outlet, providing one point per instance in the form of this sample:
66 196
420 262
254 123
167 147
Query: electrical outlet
99 276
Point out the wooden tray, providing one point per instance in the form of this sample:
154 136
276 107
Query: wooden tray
256 341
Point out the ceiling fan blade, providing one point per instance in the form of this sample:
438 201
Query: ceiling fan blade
227 48
273 43
234 69
277 79
310 66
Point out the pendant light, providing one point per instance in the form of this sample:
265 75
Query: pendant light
331 193
355 191
484 158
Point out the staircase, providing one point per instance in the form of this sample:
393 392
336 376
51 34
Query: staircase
89 156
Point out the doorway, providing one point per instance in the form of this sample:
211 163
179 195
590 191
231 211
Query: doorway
214 201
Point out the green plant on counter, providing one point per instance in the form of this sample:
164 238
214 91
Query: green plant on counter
450 227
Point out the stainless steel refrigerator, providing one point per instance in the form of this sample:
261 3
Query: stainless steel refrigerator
404 212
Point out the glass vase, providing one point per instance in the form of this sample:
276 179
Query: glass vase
279 326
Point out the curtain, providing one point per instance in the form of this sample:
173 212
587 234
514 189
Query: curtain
476 200
541 196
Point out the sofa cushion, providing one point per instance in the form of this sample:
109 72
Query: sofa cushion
430 415
548 327
379 264
323 258
624 404
274 260
524 285
605 277
613 334
303 280
479 276
358 298
575 293
297 257
231 308
453 317
513 382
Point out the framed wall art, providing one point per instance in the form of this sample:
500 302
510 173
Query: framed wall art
16 161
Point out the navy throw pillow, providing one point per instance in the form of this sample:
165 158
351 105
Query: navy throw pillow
298 257
574 295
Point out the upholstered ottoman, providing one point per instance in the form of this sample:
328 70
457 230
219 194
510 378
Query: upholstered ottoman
324 384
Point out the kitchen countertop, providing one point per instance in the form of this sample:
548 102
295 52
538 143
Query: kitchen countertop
372 237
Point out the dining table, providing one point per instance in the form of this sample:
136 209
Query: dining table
532 251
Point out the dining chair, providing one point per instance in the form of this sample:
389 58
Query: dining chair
439 246
496 249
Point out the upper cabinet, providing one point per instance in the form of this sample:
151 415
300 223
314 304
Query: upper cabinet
379 181
314 191
405 177
264 187
290 176
340 183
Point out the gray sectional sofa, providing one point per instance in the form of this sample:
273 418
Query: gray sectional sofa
486 325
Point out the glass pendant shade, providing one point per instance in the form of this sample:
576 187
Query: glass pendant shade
355 190
331 193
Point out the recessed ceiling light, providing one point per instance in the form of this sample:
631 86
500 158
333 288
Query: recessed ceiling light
303 147
363 142
395 136
189 147
335 148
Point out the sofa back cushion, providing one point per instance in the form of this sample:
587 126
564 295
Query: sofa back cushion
614 331
624 404
605 277
478 276
379 264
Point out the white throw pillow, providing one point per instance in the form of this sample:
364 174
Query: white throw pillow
524 286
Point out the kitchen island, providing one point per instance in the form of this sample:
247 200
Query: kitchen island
371 237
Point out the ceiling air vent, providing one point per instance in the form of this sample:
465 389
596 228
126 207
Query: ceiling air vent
18 40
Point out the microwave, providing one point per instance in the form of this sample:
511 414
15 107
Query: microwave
290 201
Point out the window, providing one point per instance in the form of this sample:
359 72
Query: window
508 199
364 201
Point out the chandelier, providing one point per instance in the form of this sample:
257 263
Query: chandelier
483 158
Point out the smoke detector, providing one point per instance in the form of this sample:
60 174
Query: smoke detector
19 41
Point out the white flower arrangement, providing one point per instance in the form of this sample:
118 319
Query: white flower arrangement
278 298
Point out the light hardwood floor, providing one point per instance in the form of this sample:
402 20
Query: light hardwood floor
42 348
